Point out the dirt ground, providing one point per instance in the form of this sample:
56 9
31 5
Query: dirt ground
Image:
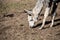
15 26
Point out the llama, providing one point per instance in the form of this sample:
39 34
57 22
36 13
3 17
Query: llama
33 15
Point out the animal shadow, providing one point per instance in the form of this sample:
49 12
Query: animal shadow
48 22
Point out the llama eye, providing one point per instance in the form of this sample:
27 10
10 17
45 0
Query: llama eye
30 15
36 18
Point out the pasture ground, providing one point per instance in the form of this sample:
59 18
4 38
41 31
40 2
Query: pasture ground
15 25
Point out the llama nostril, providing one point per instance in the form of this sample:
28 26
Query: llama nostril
31 20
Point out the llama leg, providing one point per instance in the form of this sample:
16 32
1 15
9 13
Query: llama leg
53 19
45 16
54 13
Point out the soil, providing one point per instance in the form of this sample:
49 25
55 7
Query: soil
14 26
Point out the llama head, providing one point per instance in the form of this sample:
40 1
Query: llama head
32 18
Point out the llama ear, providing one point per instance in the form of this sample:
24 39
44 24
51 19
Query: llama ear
27 11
